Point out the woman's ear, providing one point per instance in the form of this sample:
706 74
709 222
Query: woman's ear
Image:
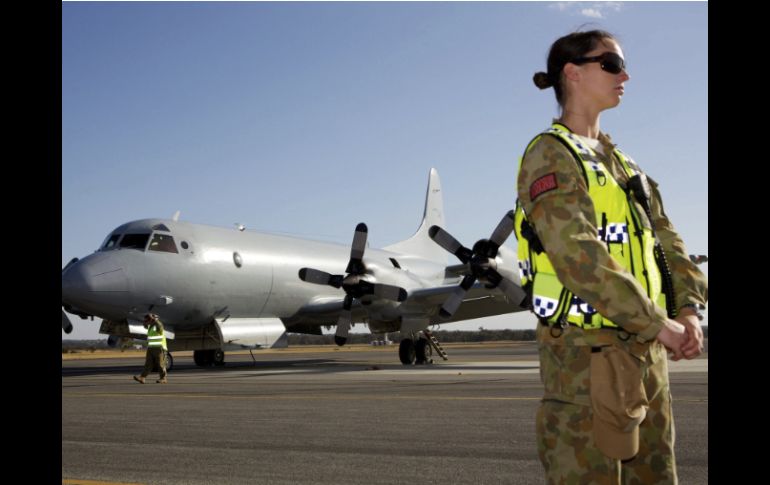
571 72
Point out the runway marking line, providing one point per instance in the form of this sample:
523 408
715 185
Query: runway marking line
70 481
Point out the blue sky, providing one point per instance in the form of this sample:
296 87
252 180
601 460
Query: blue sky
307 118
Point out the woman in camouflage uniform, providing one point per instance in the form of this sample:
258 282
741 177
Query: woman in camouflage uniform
604 331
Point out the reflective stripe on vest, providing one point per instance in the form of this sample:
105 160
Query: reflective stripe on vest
155 338
620 227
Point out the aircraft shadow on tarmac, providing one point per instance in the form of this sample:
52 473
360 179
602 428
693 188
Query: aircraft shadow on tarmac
299 366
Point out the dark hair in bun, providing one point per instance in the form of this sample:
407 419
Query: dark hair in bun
564 50
542 81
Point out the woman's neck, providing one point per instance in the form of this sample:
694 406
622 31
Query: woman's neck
581 122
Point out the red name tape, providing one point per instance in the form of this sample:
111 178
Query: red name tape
542 185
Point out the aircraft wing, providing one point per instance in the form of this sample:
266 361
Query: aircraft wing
324 311
479 302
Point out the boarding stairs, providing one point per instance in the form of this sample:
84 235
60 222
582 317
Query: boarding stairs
433 342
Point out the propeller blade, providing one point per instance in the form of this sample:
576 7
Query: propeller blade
389 292
356 265
501 233
65 323
467 282
343 323
347 303
514 292
452 303
446 241
310 275
343 328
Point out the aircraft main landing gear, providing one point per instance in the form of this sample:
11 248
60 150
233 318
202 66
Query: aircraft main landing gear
415 351
423 351
419 350
406 351
207 358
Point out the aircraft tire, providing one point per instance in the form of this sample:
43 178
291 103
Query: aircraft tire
423 352
218 357
169 361
406 351
203 358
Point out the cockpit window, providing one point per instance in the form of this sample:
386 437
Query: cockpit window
160 227
163 242
111 241
134 241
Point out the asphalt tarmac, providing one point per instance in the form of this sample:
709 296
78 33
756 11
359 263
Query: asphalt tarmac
330 417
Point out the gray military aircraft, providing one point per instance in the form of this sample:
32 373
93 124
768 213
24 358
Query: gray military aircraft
219 289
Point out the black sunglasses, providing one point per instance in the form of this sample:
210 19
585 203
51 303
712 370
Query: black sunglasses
609 61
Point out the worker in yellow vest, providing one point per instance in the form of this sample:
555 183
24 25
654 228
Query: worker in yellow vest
156 349
608 278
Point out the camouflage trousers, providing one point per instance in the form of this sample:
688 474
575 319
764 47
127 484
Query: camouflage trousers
155 359
566 445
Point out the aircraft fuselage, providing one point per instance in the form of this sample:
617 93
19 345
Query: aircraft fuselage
218 272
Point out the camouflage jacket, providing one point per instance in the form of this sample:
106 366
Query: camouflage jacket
565 221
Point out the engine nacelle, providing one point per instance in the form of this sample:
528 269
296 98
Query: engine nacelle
508 265
116 341
251 333
381 326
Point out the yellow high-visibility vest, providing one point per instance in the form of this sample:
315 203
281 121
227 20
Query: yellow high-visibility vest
620 225
155 338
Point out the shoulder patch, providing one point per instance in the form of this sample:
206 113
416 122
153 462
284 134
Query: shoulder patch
542 185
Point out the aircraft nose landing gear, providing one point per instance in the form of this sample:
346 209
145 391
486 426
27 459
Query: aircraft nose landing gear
169 361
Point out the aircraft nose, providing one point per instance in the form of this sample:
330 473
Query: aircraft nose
82 280
73 284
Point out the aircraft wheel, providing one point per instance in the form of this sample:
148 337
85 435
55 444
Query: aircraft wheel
406 351
169 361
203 358
423 352
219 357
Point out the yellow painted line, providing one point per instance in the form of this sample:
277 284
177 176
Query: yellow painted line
70 481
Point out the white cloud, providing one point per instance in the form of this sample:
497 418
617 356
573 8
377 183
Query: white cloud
594 10
591 12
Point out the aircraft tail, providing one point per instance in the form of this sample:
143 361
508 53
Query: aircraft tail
420 244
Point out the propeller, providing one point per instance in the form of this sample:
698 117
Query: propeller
353 283
66 325
479 262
